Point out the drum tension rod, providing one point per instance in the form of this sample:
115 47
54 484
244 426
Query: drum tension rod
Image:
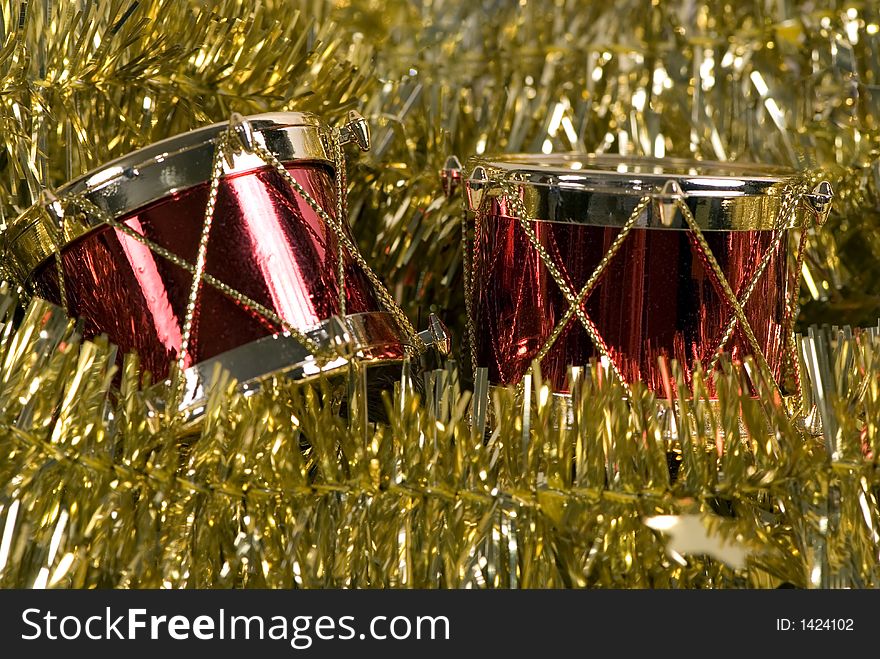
476 187
667 202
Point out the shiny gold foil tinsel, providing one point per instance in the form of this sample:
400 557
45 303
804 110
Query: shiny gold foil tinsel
83 81
790 83
279 490
510 489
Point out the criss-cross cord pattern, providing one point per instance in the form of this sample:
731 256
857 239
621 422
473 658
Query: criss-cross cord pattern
510 192
59 273
791 200
222 148
794 308
341 212
385 298
220 152
594 278
467 268
730 296
89 207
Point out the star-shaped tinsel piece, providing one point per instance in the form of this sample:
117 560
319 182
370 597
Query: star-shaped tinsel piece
689 534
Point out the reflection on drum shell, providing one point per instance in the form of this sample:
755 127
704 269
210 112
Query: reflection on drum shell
266 242
658 298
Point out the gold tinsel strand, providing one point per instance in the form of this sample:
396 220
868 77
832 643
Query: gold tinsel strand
782 83
83 82
279 490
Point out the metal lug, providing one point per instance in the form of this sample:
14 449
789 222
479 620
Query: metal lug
819 201
243 131
357 130
437 336
476 187
668 202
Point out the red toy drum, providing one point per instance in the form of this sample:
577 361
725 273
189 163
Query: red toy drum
628 260
228 244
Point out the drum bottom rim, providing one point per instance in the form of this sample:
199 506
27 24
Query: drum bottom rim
354 338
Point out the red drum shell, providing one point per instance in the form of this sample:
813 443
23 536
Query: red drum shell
658 298
266 242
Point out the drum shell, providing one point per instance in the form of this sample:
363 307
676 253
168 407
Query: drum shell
266 242
657 299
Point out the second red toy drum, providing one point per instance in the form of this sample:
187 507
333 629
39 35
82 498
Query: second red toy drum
628 261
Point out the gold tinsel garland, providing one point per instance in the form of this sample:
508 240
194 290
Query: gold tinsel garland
279 490
785 83
83 82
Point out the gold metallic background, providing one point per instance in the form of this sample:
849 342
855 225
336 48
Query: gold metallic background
278 489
